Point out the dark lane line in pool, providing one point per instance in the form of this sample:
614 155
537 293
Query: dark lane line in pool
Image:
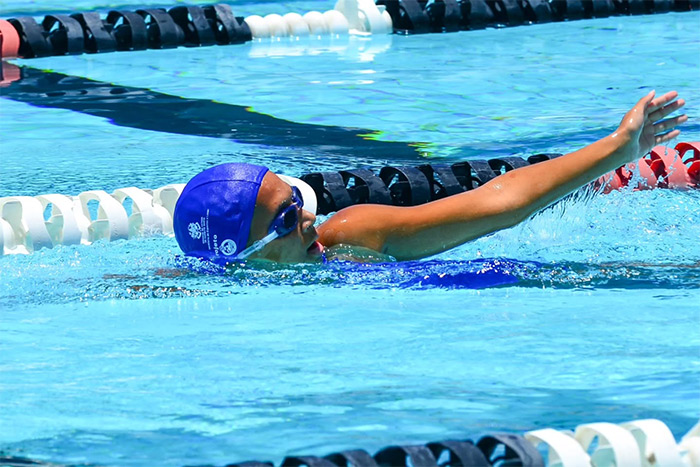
150 110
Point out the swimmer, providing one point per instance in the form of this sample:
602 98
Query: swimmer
235 212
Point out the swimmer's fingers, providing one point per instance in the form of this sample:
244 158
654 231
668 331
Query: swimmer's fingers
666 136
669 124
665 110
664 130
659 101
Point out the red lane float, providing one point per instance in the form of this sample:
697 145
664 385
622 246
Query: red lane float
9 40
692 162
663 167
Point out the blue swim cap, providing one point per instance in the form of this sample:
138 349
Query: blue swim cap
213 214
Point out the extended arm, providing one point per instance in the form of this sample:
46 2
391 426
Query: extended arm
420 231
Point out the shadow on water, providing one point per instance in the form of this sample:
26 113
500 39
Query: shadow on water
193 278
150 110
205 279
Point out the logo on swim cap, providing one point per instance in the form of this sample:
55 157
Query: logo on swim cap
195 230
228 247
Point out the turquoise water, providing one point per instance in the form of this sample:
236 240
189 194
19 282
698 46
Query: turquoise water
108 357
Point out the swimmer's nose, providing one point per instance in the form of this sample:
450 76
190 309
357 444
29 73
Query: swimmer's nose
308 219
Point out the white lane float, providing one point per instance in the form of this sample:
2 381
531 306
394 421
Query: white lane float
29 223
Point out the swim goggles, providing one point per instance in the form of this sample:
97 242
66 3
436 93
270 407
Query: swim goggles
283 224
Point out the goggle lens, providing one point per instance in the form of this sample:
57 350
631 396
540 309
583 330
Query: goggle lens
287 220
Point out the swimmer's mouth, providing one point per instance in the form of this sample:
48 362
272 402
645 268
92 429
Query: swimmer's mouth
315 249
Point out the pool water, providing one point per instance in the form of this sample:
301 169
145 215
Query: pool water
115 354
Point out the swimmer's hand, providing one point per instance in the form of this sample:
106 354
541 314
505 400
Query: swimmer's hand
643 127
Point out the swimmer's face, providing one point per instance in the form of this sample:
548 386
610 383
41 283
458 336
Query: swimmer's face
300 245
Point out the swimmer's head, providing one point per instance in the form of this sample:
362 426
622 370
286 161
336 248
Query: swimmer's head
238 211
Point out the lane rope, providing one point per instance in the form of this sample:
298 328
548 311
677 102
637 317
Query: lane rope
638 443
29 223
195 26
